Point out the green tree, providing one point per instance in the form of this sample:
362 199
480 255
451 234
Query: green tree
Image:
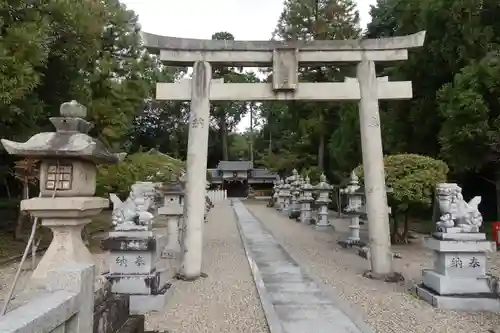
470 106
226 115
309 124
413 179
458 31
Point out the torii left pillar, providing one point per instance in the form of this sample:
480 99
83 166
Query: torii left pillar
196 173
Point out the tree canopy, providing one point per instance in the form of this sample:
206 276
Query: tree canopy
52 51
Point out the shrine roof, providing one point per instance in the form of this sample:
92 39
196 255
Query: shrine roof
235 165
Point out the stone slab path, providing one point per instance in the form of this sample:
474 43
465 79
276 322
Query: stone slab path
293 301
226 301
386 307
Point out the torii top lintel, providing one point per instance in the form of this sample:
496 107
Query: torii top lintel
185 51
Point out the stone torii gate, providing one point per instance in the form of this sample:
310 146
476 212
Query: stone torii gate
285 58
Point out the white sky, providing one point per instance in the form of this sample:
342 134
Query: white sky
245 19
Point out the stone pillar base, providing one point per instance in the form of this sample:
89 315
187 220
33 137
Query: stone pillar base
66 217
136 268
459 280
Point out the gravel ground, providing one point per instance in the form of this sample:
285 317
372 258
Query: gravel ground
226 300
385 307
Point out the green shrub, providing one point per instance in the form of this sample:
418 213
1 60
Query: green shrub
413 179
313 172
118 178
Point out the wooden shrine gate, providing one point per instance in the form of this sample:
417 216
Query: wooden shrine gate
285 58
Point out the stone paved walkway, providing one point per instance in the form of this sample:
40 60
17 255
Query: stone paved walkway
224 302
386 307
292 300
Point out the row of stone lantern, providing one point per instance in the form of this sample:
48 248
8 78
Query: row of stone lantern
293 196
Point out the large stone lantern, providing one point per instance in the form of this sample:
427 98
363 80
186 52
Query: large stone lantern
67 184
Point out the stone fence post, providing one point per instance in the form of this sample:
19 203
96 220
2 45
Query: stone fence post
68 305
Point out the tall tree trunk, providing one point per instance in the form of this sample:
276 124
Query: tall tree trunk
497 189
223 138
270 149
22 216
406 227
321 152
321 145
251 134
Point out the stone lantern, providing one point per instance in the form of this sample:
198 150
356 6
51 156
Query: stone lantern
294 212
305 201
289 188
354 208
67 184
173 211
285 194
323 189
279 198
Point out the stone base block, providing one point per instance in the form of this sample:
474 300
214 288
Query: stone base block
450 285
323 226
142 304
285 211
470 303
458 245
463 236
144 284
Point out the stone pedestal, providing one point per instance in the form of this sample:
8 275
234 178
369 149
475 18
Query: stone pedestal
173 214
136 269
354 230
66 217
305 200
305 211
322 215
459 280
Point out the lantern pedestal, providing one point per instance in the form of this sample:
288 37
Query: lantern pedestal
66 217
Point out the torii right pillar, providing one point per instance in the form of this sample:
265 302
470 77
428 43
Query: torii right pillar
374 174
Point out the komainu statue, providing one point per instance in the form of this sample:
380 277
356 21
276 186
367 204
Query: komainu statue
135 212
457 215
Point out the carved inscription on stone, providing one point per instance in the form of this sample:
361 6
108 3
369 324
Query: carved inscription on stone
122 261
139 261
59 177
285 69
474 262
197 123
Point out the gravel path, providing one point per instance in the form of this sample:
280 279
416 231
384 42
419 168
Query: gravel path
386 307
224 302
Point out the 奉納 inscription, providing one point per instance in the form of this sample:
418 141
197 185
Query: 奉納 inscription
474 262
456 262
139 261
121 261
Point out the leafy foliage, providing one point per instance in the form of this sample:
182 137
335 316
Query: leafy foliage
413 179
118 178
